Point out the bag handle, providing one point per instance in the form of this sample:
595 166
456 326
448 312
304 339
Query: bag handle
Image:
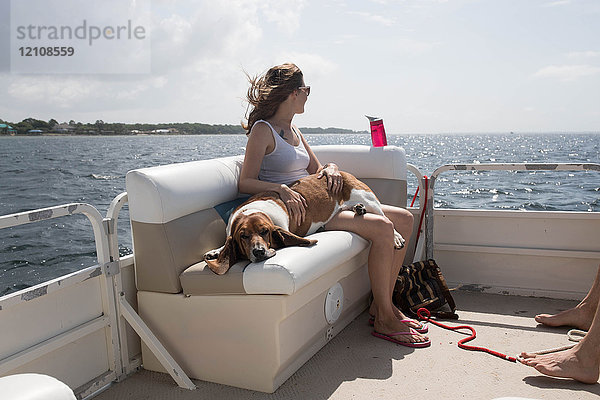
447 295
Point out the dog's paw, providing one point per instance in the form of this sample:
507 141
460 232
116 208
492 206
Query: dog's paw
359 209
212 255
398 241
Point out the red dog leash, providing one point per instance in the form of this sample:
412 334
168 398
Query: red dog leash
424 314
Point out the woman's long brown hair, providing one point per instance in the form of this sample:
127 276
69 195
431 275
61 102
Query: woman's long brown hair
268 91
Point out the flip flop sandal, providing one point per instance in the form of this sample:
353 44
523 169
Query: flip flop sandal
390 338
423 327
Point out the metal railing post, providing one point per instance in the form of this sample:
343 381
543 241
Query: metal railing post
411 253
429 219
111 223
127 313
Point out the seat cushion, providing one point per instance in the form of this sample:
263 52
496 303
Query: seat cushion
34 387
288 271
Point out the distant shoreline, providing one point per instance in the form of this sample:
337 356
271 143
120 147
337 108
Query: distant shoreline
36 127
54 134
164 134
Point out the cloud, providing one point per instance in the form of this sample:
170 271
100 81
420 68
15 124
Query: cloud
57 92
378 19
412 46
344 38
198 49
583 54
313 66
60 93
284 13
567 73
213 30
558 3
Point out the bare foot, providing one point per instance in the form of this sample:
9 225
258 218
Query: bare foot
570 363
395 328
400 315
580 317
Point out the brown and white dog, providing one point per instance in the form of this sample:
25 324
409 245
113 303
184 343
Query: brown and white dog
262 224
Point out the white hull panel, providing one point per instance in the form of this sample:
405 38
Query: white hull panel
542 254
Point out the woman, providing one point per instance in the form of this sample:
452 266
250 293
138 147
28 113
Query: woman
277 155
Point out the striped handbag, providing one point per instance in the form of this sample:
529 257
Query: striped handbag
421 284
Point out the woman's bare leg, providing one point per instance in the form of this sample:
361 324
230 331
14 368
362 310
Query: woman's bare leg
403 223
581 363
379 230
581 316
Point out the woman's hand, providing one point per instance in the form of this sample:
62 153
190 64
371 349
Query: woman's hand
295 203
334 178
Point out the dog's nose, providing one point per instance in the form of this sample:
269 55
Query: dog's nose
259 252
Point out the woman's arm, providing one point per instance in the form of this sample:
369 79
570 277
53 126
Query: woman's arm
260 142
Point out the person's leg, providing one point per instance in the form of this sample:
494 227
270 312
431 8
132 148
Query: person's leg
580 316
379 230
403 223
581 362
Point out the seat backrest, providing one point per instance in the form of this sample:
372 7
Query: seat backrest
174 222
383 169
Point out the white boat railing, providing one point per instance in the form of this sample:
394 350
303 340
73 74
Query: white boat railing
487 167
104 270
115 309
128 313
415 250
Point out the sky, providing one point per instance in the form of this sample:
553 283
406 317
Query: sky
424 66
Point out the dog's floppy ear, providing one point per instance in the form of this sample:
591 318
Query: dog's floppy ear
283 238
227 257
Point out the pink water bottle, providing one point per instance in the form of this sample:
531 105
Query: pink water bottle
378 137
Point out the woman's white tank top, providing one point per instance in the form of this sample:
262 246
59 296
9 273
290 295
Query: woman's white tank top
286 163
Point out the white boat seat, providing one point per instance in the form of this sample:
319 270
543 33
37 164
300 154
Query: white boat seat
288 271
174 220
34 387
257 324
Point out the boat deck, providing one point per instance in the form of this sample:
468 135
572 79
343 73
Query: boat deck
356 365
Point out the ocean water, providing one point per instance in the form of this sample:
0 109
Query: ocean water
37 172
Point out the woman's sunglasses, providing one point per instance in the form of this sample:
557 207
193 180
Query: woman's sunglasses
305 89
